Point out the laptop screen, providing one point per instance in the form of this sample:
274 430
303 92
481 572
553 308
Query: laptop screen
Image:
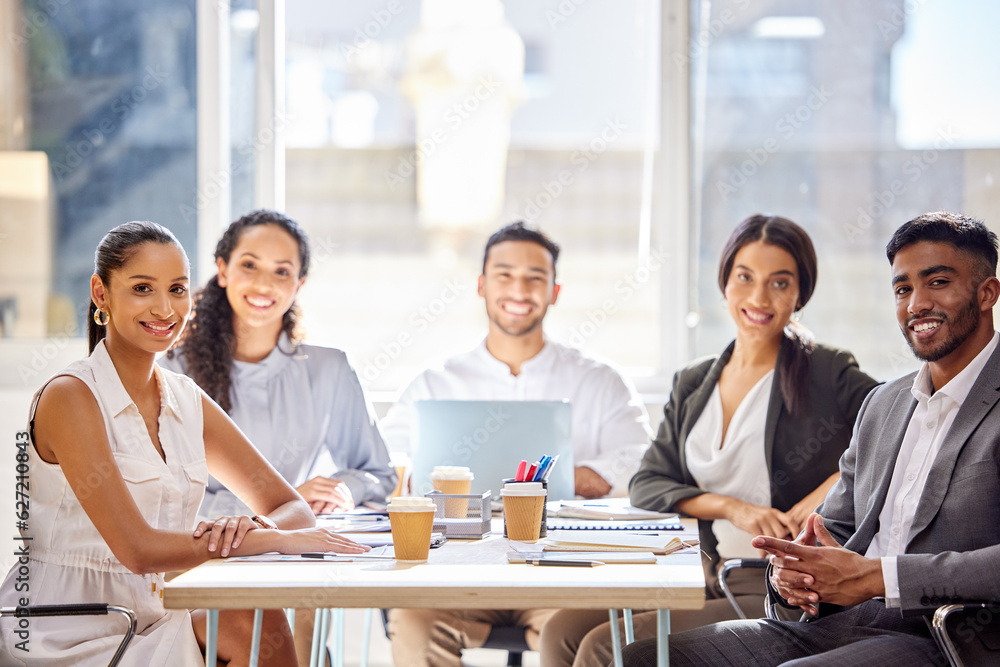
491 438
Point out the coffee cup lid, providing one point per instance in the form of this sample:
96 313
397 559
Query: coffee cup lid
410 504
522 489
451 472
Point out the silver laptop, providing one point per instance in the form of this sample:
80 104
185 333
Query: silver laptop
492 438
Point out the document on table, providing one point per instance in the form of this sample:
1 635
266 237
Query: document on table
377 553
354 523
608 557
574 540
609 509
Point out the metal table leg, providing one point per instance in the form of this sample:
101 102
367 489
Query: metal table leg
662 638
338 637
616 640
212 633
366 634
317 628
258 619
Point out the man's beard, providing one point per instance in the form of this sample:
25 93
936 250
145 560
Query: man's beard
959 331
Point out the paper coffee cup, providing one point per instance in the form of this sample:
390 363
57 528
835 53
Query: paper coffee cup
401 463
455 480
522 510
411 520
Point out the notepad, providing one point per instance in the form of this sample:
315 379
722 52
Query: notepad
562 540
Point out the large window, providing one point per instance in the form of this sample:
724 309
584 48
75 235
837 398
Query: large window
410 131
849 118
415 130
99 129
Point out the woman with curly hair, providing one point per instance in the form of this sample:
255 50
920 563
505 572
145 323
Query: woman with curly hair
301 405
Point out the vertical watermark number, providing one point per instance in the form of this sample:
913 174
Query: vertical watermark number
22 512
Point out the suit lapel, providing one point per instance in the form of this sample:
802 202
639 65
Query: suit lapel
887 443
695 404
982 397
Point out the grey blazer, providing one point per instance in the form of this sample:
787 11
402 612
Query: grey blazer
801 450
952 553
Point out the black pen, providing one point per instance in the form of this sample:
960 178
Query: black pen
562 563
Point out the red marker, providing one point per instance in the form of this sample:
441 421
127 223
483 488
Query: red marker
521 467
530 476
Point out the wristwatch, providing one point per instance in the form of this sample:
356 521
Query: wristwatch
264 522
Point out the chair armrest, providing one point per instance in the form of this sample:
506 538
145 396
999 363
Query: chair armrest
939 628
732 564
95 609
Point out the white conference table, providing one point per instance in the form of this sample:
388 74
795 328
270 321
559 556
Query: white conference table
459 575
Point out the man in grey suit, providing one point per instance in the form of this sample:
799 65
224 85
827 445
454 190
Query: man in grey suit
917 507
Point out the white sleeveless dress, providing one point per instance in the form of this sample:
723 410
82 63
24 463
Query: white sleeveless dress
69 560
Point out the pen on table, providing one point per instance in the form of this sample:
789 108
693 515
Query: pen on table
548 562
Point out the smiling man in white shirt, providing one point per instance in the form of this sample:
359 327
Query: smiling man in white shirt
517 362
917 507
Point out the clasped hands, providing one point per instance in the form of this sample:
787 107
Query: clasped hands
814 568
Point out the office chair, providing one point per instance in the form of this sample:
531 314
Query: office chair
977 624
79 610
502 637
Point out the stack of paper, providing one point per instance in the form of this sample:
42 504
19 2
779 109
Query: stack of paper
607 510
573 540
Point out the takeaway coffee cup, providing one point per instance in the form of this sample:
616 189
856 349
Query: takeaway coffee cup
523 503
401 463
411 520
457 480
545 512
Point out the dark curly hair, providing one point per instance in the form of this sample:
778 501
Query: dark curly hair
209 341
784 234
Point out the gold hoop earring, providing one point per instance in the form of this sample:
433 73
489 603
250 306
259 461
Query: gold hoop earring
101 318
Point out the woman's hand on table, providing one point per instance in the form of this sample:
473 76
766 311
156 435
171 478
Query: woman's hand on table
759 520
326 494
229 530
319 540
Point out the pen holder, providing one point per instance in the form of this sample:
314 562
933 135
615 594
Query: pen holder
474 523
545 515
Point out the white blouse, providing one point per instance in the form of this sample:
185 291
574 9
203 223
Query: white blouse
736 466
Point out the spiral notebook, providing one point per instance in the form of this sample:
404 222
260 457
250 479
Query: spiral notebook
671 523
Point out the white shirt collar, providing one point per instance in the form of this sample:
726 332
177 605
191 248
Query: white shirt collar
113 392
958 388
539 360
